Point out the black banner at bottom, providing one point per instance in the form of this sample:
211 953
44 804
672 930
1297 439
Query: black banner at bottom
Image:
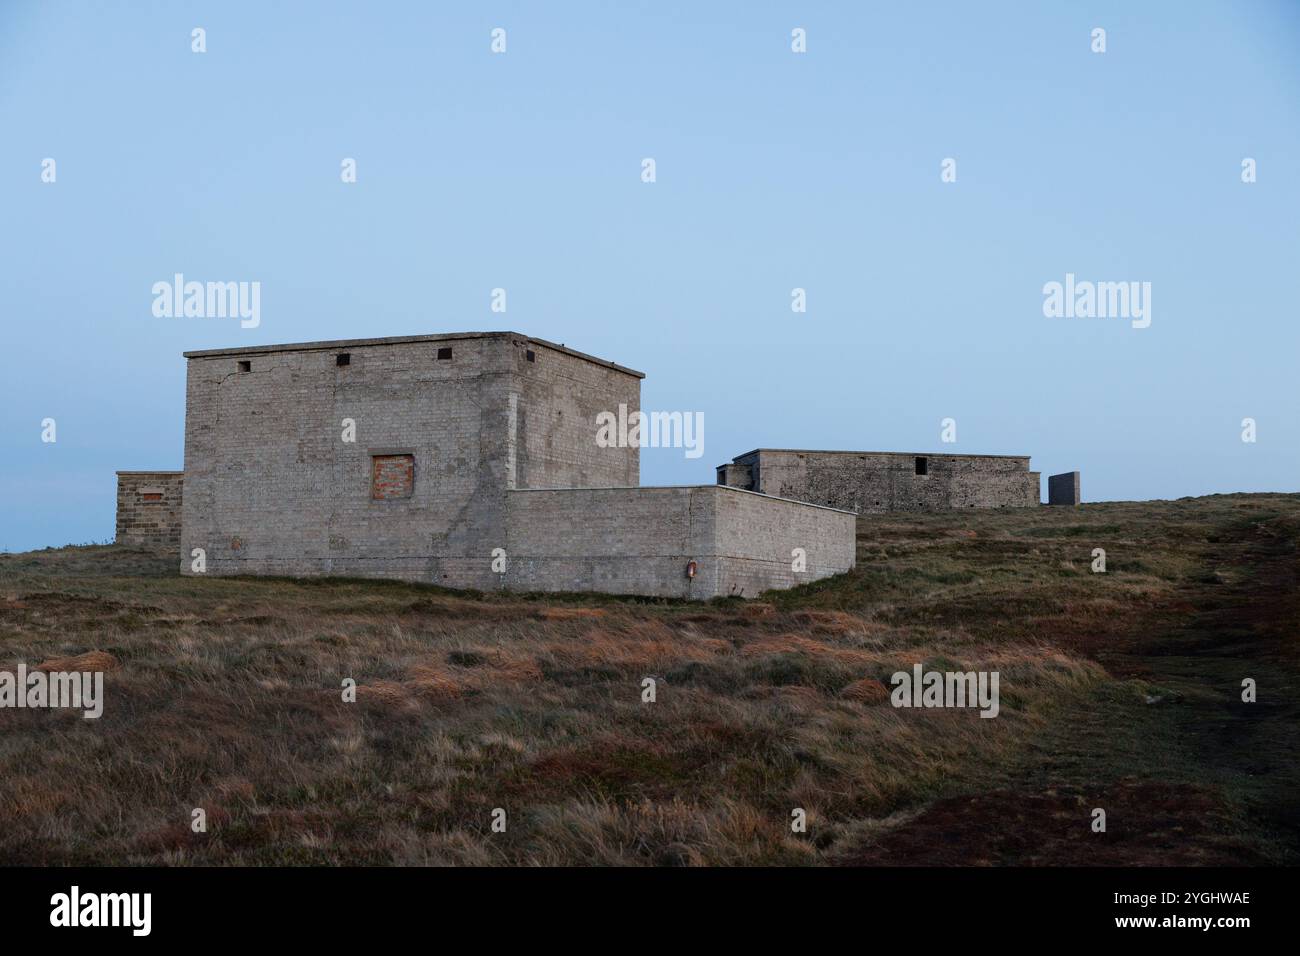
338 905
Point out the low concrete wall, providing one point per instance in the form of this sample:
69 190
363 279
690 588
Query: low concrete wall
1063 489
755 537
149 509
639 541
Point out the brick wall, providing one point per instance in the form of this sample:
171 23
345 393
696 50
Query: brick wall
559 397
875 482
392 476
639 540
755 537
149 509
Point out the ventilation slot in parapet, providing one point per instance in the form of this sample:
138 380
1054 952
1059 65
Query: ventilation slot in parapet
922 466
245 366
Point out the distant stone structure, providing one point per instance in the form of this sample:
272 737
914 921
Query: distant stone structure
870 482
149 509
468 460
1063 489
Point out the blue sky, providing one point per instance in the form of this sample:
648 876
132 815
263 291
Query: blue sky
775 170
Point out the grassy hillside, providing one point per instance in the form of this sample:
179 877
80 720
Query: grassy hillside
1118 690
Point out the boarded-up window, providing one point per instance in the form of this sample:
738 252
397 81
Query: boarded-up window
392 476
152 496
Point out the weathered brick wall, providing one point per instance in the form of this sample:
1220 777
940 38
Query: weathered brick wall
874 482
271 487
755 537
1063 489
392 476
559 397
149 508
639 540
613 540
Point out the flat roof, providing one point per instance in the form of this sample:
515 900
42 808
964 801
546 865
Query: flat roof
905 454
408 339
150 472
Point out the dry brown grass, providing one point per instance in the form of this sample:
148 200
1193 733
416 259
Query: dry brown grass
226 695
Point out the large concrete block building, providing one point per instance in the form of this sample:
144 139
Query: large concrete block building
467 460
870 482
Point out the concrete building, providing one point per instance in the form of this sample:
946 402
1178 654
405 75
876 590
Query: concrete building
869 482
467 460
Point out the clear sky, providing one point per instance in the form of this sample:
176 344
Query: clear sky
775 170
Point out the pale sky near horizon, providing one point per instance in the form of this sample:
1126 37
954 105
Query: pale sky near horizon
775 170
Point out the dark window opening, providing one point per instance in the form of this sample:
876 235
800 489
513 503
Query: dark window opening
343 358
530 355
444 354
245 366
922 466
